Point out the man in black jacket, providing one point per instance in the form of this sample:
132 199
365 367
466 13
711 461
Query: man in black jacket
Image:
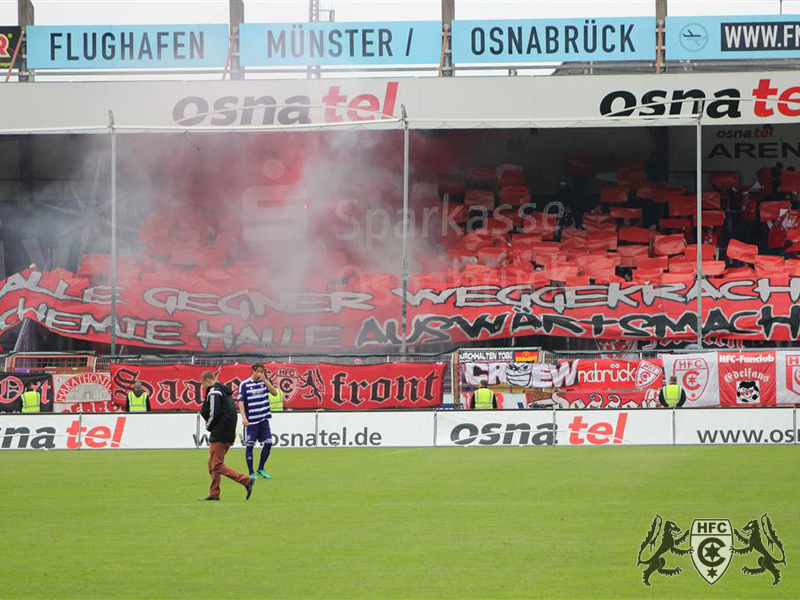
220 414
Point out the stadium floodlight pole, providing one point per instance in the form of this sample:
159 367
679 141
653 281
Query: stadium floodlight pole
699 167
404 282
112 130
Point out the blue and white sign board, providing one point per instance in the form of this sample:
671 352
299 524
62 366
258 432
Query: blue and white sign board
554 40
733 38
387 43
126 46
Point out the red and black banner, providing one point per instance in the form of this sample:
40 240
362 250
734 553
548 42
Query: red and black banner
191 314
12 385
319 386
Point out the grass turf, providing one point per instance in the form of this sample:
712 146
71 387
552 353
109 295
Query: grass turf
366 523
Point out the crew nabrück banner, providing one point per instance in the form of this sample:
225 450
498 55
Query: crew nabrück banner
180 312
13 384
320 386
604 373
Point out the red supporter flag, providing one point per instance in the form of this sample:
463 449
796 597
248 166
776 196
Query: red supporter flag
711 201
647 275
712 218
764 175
667 245
724 181
629 255
595 218
614 195
709 252
650 189
740 273
674 224
682 206
772 210
571 232
631 173
769 265
790 181
741 251
635 235
659 262
607 226
626 213
579 164
452 187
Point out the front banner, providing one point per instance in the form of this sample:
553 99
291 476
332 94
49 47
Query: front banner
319 386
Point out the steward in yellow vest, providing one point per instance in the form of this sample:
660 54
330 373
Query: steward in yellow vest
483 398
31 399
672 395
138 399
276 401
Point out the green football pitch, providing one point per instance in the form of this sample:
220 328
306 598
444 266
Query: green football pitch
375 523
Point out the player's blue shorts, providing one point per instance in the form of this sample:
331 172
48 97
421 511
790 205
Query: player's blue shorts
259 432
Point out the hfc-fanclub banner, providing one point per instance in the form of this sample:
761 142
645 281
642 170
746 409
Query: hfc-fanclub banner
179 312
737 378
320 386
553 40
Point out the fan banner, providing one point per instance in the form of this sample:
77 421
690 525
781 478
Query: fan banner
84 387
12 385
580 398
579 373
85 408
747 378
319 386
697 374
787 377
181 313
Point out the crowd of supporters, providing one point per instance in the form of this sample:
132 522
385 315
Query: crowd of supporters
489 228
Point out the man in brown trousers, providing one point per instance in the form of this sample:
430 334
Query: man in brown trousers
221 415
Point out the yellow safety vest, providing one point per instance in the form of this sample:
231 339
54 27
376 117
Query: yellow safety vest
137 403
276 402
30 402
483 399
672 394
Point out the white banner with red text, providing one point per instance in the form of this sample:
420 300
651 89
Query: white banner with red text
396 429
